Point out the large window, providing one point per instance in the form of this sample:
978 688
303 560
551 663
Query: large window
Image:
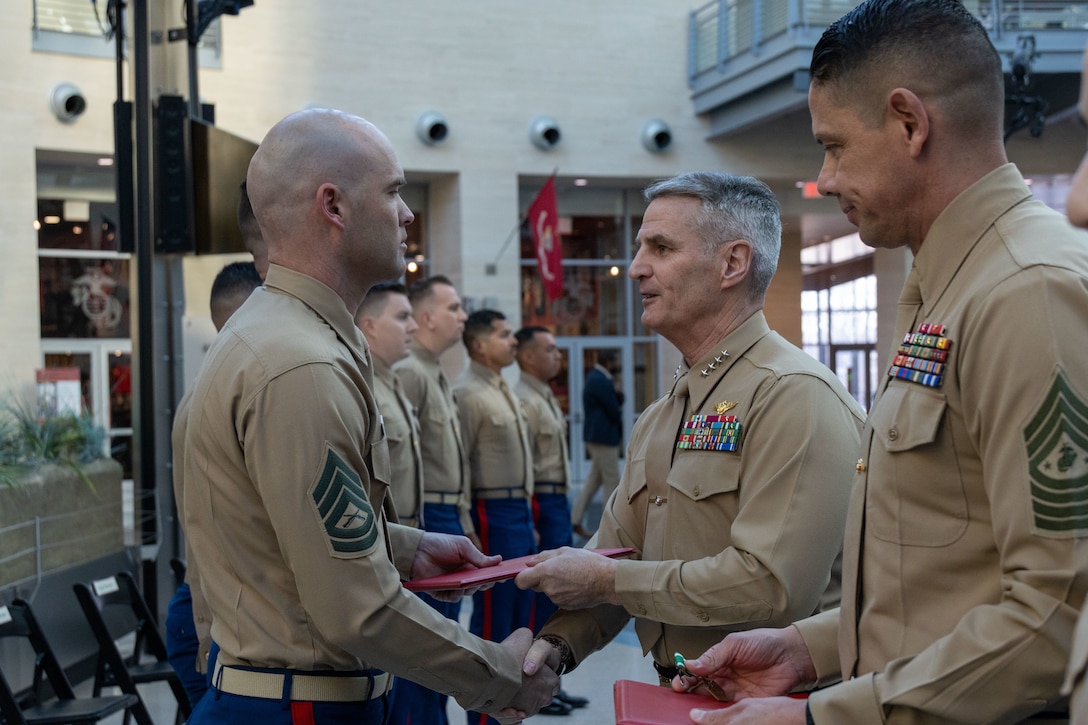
83 27
838 312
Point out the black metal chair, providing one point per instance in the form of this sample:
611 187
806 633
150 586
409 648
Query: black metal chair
39 708
115 608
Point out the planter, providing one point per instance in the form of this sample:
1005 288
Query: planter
55 520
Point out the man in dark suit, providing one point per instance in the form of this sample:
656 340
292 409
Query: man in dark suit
602 434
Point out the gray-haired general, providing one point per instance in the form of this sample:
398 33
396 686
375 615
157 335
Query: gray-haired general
734 494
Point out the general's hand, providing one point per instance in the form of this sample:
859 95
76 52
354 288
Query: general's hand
537 687
755 711
441 553
572 578
757 663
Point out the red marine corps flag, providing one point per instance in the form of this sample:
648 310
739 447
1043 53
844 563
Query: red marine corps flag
544 225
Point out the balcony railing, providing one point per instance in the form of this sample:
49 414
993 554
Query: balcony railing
721 30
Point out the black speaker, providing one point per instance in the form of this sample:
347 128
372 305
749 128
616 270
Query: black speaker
173 177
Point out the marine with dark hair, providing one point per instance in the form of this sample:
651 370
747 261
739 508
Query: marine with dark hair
496 437
961 582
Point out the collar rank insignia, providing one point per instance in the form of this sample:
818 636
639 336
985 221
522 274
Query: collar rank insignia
710 433
923 356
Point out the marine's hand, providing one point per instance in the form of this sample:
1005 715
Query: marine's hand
572 578
757 663
441 553
538 688
755 711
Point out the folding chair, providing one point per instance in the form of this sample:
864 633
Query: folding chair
115 608
17 620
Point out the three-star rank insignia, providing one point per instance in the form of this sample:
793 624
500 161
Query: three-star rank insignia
922 356
1057 448
345 510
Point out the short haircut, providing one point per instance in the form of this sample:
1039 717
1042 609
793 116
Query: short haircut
526 334
607 355
733 207
376 298
235 278
420 291
478 325
934 48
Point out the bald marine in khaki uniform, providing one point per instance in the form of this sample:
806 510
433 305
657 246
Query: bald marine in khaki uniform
734 494
287 469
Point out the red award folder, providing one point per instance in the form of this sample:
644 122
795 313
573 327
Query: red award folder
638 703
506 569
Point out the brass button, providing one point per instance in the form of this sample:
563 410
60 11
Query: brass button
893 433
704 617
658 500
860 465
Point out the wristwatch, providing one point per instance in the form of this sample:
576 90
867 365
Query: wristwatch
566 657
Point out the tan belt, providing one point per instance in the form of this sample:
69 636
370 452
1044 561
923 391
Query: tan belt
490 493
304 688
439 497
549 488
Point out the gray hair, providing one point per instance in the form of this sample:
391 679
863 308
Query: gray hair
733 207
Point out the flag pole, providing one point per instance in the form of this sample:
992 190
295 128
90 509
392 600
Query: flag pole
492 269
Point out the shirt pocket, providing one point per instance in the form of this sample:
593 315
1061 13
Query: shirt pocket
915 491
700 475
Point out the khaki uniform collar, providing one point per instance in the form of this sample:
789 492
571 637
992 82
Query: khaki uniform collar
959 227
423 354
705 375
322 300
486 373
383 371
537 385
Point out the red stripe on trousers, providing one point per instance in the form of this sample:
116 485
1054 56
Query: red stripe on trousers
482 531
302 713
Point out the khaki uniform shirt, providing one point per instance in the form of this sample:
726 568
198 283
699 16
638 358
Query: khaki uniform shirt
202 618
547 431
728 541
445 465
960 584
402 435
494 430
286 470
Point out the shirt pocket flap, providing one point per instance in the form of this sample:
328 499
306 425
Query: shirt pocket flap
702 474
908 417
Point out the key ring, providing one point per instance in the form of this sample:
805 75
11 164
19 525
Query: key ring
711 686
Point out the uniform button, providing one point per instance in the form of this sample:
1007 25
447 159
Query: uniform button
860 465
641 609
696 491
893 433
488 703
704 617
658 500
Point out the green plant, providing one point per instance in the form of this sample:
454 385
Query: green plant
31 437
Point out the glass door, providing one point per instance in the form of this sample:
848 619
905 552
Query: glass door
105 371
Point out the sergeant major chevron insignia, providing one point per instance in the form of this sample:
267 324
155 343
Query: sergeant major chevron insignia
1057 448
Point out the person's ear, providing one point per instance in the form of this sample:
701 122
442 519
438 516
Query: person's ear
906 110
330 204
736 260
